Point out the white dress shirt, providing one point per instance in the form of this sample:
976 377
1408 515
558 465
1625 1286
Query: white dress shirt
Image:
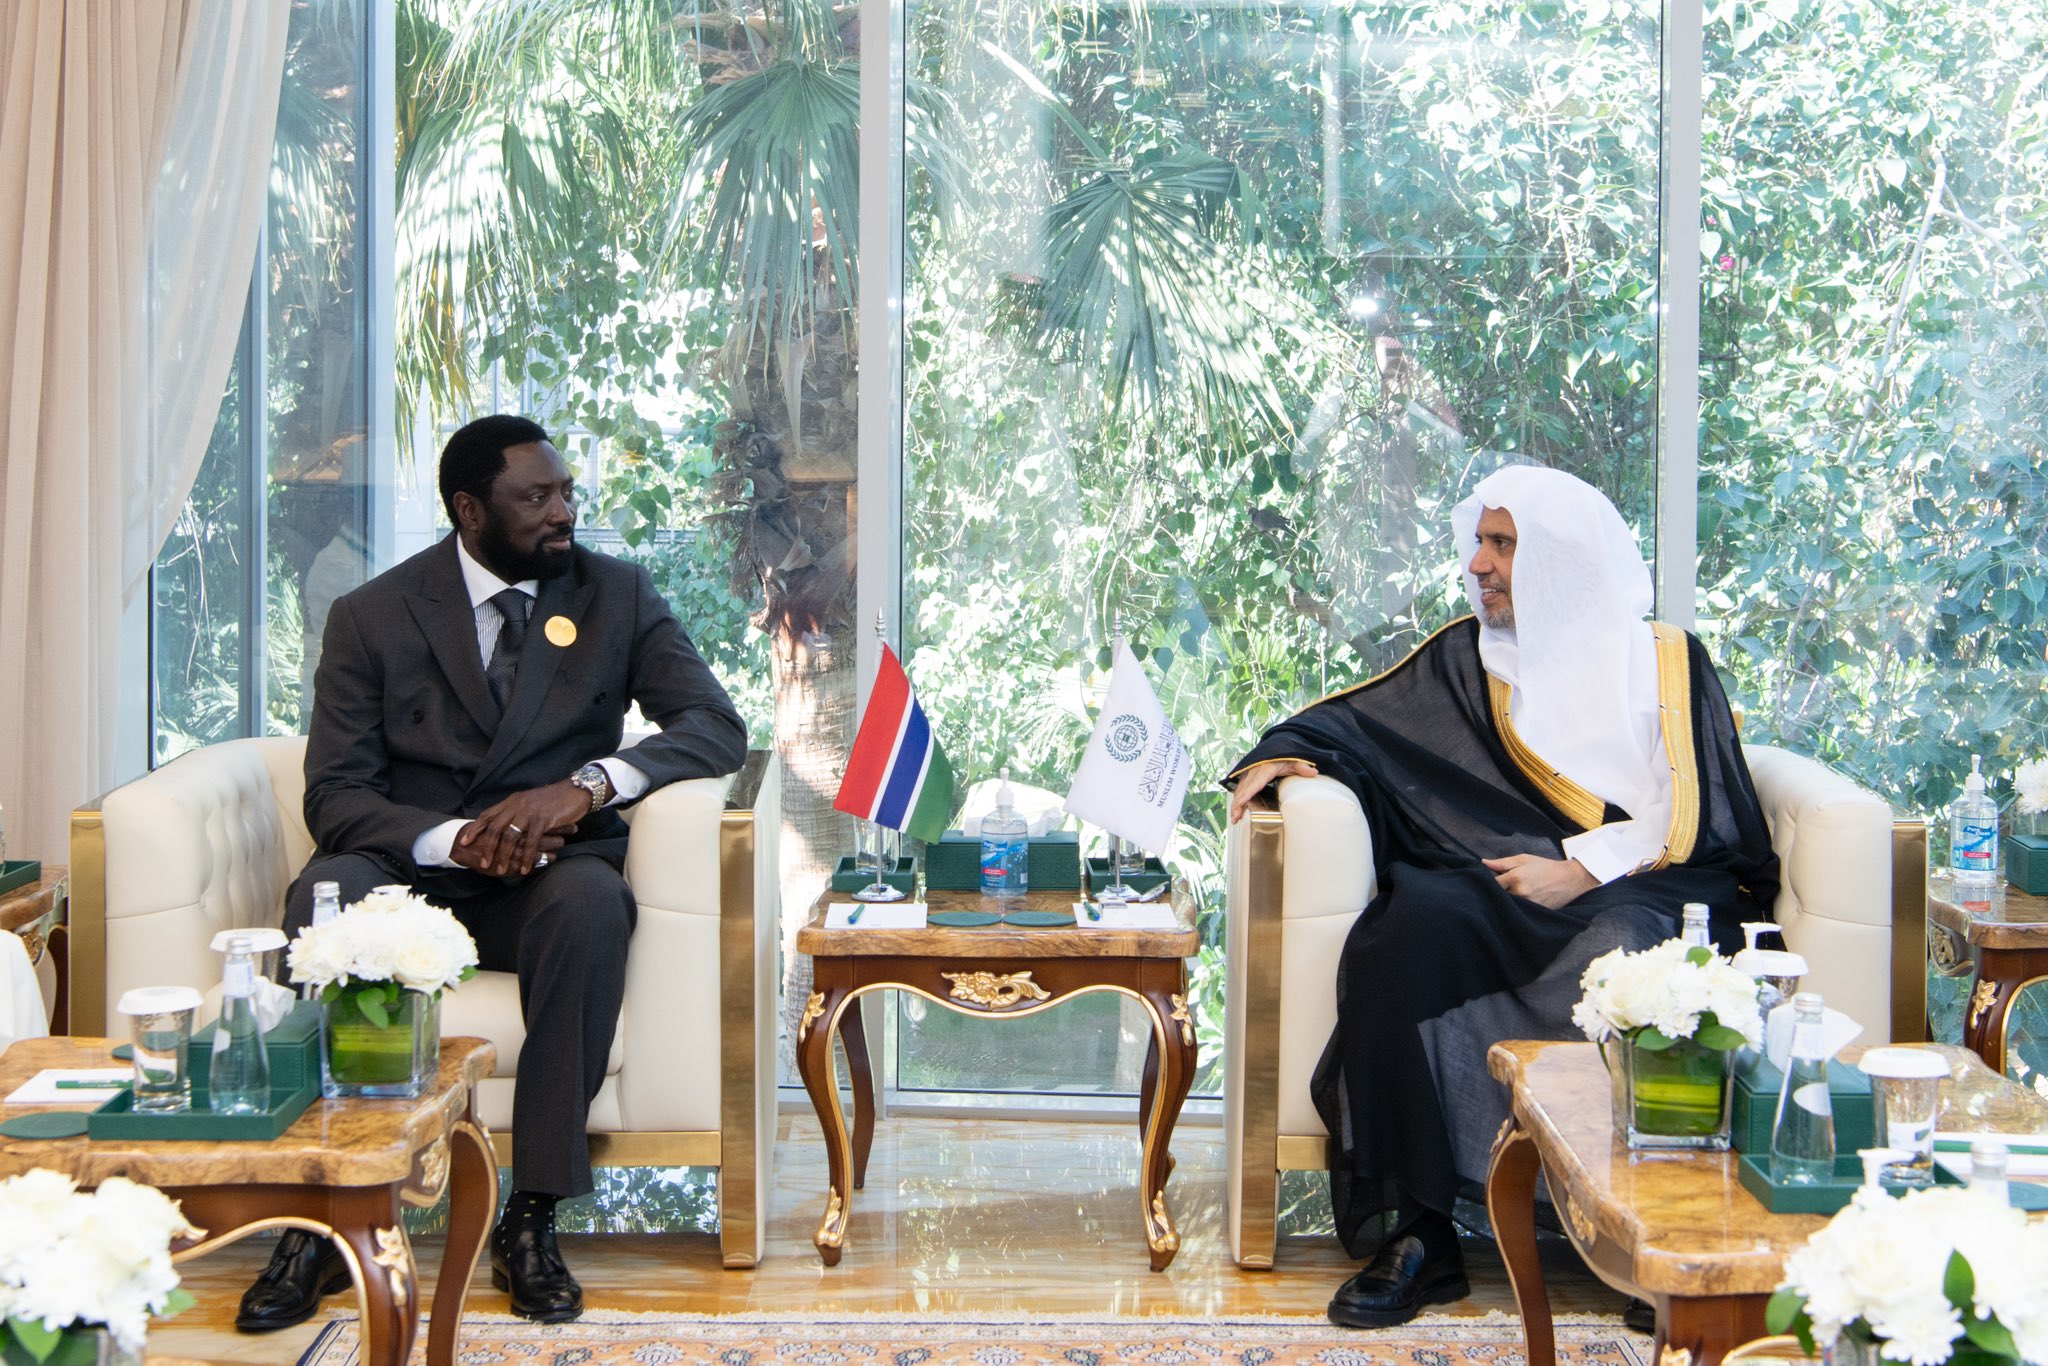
434 847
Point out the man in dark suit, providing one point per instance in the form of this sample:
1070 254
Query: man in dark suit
467 716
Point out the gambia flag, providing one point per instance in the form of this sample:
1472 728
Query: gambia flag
897 775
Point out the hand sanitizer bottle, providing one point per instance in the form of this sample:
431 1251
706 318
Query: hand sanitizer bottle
1803 1134
238 1080
1973 839
1005 847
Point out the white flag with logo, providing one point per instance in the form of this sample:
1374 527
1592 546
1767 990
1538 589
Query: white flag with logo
1135 772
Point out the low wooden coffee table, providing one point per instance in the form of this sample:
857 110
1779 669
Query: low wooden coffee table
2007 943
1002 972
342 1171
1674 1228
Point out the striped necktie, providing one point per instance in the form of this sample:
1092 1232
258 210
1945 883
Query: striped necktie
513 606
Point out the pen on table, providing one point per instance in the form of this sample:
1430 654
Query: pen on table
80 1084
853 916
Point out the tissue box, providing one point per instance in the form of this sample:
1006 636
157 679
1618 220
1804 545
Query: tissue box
954 863
1755 1106
2026 863
293 1049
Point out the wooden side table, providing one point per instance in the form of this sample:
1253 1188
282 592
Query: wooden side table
35 913
2009 946
342 1171
1001 972
1674 1228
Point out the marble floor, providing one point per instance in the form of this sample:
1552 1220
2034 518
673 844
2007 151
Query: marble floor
958 1215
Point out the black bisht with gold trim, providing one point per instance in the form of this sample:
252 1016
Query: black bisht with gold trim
1443 962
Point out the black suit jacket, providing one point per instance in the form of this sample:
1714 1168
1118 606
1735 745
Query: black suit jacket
405 734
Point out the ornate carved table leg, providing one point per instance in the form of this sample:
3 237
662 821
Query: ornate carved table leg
853 1037
472 1199
367 1217
2002 973
1165 990
814 1033
1511 1205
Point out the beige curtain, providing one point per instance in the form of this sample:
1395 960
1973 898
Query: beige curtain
91 96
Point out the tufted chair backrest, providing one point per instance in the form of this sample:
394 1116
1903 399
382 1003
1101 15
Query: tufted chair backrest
208 842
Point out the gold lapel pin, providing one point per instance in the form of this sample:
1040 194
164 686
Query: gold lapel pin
560 632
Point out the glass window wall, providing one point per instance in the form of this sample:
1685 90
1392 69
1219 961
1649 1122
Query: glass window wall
1212 311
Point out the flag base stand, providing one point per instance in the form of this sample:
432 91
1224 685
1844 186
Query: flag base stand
880 891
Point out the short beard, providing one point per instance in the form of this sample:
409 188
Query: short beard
1500 618
514 565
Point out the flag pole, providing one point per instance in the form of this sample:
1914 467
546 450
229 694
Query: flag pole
872 846
1116 893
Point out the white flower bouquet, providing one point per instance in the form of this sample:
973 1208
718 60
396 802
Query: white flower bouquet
392 940
1941 1275
1657 996
72 1259
2030 786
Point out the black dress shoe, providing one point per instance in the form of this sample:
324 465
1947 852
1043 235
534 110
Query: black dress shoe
1640 1317
1396 1283
529 1265
303 1267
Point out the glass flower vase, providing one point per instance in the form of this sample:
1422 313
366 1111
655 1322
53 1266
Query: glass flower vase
1854 1348
79 1345
361 1057
1676 1097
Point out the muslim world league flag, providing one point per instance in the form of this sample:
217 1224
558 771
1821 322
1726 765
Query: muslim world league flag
897 775
1135 774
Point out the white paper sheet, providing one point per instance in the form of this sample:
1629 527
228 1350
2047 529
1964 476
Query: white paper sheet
42 1088
1129 916
875 915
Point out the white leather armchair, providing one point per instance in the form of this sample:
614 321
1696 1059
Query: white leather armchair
1852 899
212 840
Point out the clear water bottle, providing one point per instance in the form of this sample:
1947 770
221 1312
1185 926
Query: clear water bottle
1005 847
326 901
238 1079
1803 1134
1987 1169
1696 933
1973 838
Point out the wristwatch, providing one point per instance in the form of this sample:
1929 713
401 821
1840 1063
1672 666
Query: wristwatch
593 779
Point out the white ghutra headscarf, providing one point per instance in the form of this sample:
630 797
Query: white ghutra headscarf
1580 659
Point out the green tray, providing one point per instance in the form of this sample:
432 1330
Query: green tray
293 1048
1755 1175
1099 877
1755 1106
846 879
17 873
1053 864
118 1119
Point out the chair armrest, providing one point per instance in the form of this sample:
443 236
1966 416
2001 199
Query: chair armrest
1836 900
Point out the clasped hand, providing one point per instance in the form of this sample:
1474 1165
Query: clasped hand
511 837
1546 881
1255 779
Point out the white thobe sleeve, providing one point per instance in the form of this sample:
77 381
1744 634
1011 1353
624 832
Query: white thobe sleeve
1612 851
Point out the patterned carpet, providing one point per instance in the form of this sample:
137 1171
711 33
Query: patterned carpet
619 1339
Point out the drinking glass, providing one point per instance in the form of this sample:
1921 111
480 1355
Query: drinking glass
1905 1089
159 1027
